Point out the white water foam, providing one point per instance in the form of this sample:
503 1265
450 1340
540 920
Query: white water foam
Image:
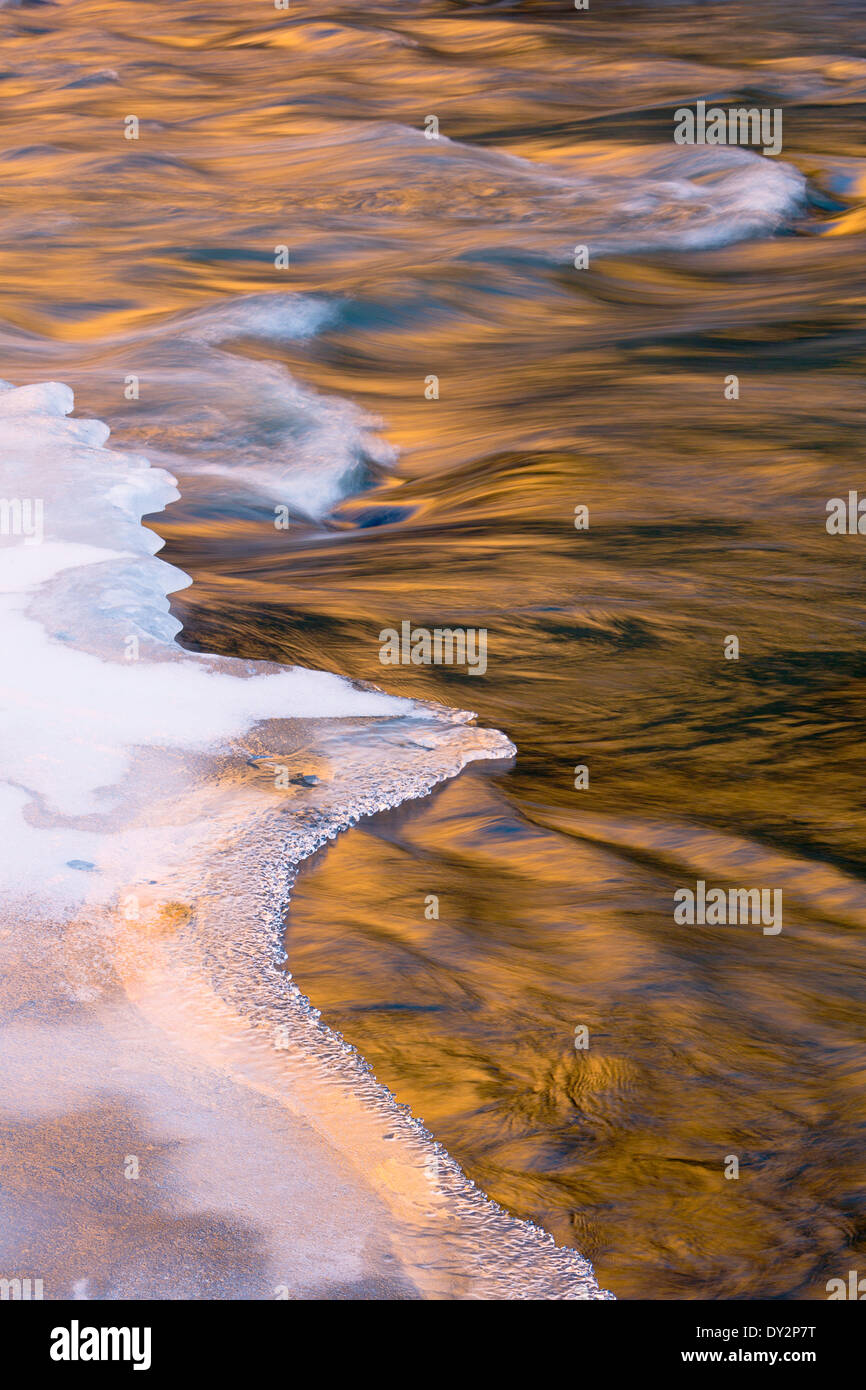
245 423
613 197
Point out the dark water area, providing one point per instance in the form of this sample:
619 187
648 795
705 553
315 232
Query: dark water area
558 388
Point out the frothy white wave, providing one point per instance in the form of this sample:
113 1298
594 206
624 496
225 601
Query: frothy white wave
700 198
622 198
274 318
246 423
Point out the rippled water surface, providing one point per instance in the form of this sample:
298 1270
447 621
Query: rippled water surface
305 386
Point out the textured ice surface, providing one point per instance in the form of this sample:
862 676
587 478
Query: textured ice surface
148 853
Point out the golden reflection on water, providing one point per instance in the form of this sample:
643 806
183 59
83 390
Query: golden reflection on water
605 647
